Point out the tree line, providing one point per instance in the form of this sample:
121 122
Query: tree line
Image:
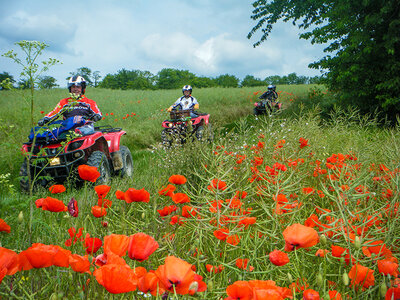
167 78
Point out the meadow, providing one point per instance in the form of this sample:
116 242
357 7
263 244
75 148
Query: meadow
288 206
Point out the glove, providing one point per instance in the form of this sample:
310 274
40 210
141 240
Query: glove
96 118
41 122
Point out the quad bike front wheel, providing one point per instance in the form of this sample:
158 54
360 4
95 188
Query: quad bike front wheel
170 137
127 162
24 180
204 133
99 160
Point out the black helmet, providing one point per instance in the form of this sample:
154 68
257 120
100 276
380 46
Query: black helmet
271 87
77 81
187 88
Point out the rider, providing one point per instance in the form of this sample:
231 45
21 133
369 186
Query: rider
186 102
78 106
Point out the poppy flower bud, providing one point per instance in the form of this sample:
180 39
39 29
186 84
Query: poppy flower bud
342 260
357 242
383 289
319 279
21 217
194 286
289 277
323 239
210 285
345 278
53 296
143 215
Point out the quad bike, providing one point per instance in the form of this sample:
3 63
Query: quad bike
181 127
55 153
265 106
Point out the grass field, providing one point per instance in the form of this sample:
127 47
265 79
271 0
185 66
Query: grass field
324 193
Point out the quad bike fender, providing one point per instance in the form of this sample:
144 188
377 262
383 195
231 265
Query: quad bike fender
113 140
201 120
100 144
165 124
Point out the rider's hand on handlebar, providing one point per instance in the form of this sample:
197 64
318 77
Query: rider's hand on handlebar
41 122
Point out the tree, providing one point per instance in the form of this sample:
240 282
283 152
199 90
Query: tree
96 77
6 78
227 80
250 80
47 82
363 37
172 78
126 79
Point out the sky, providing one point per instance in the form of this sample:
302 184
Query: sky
205 37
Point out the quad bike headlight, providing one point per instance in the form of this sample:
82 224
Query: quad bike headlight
75 145
170 125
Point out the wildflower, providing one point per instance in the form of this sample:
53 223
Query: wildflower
221 233
176 275
57 188
74 236
242 263
177 179
88 173
217 184
361 275
388 266
278 258
9 261
73 208
167 191
233 239
79 263
37 256
149 282
106 203
102 190
141 246
116 244
303 143
239 290
167 210
99 211
299 236
120 195
50 204
180 198
132 195
310 295
4 226
92 244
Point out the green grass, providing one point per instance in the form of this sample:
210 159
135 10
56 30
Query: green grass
238 134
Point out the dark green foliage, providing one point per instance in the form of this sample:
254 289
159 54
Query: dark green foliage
125 79
47 82
4 76
172 78
227 81
363 37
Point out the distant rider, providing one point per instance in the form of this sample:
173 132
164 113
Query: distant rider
78 106
270 95
186 102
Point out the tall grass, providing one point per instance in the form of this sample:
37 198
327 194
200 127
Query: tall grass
239 134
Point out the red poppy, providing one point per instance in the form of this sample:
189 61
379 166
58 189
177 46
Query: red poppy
167 210
51 204
167 191
37 256
74 236
3 273
221 233
303 143
79 263
132 195
361 275
99 211
73 208
61 257
57 188
310 295
217 184
247 221
188 211
278 258
88 173
120 195
239 290
393 293
116 279
242 263
102 190
176 275
92 244
388 266
215 269
9 261
106 203
4 226
141 246
233 239
334 295
150 283
300 236
180 198
321 252
116 243
177 179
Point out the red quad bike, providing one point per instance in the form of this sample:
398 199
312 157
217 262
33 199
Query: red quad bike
55 156
181 128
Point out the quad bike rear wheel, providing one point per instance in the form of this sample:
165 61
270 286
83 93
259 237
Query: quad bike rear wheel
99 160
127 162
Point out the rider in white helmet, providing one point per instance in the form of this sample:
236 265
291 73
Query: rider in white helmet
186 102
78 106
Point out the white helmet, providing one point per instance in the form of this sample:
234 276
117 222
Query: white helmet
187 88
77 81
